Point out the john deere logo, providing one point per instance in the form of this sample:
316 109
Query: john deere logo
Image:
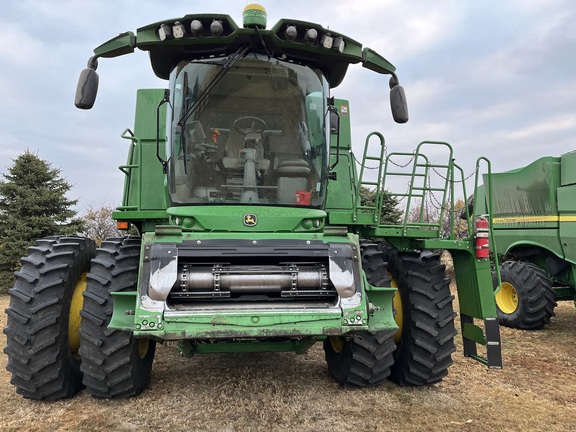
250 220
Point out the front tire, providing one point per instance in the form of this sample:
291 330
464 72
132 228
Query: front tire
424 349
115 364
526 299
364 359
44 316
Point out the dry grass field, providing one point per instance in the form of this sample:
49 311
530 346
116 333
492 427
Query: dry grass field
536 391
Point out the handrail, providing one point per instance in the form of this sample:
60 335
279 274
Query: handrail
423 188
127 169
419 187
378 201
488 198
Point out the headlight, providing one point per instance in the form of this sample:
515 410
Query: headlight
178 30
196 27
165 32
291 33
311 35
327 41
216 28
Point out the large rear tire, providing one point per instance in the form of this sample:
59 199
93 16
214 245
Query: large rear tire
426 343
364 359
44 318
526 300
115 364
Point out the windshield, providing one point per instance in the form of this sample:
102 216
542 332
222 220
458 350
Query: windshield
254 135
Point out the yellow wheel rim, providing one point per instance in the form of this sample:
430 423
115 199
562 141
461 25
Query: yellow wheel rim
507 298
143 345
74 318
337 343
399 315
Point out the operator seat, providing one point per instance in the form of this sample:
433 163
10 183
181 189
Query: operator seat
232 158
293 176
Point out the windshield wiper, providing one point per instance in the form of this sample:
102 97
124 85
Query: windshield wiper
232 60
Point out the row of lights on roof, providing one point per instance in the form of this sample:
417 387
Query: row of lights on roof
178 30
327 40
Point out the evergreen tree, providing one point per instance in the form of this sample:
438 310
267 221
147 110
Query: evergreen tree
33 205
390 212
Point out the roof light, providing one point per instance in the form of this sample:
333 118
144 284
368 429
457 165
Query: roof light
164 32
216 28
196 27
311 35
291 32
254 16
178 30
339 44
327 41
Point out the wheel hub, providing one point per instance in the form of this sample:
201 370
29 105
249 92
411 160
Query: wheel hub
337 343
398 314
74 318
507 298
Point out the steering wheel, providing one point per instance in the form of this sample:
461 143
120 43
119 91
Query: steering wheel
245 125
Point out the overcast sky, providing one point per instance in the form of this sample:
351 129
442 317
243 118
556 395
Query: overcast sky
493 78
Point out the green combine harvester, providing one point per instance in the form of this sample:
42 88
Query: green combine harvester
533 214
243 187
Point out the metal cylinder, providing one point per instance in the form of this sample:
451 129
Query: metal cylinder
251 278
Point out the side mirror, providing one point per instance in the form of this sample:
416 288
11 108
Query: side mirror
398 103
87 89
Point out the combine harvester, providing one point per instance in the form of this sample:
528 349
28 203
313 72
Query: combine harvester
533 215
252 235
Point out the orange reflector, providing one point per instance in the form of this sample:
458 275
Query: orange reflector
122 225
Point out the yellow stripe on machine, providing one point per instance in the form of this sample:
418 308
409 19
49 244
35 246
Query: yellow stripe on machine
533 219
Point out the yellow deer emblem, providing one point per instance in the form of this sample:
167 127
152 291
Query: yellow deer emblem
250 220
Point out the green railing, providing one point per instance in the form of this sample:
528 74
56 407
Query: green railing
131 194
427 190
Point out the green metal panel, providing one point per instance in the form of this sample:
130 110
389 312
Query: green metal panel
568 164
505 240
345 142
120 45
525 207
341 192
474 282
152 189
144 185
526 198
230 218
567 213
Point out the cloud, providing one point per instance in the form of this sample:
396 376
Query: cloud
493 78
559 123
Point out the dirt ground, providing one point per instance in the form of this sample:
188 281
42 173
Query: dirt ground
535 391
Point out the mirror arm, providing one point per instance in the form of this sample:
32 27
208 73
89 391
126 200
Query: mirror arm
394 81
93 62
